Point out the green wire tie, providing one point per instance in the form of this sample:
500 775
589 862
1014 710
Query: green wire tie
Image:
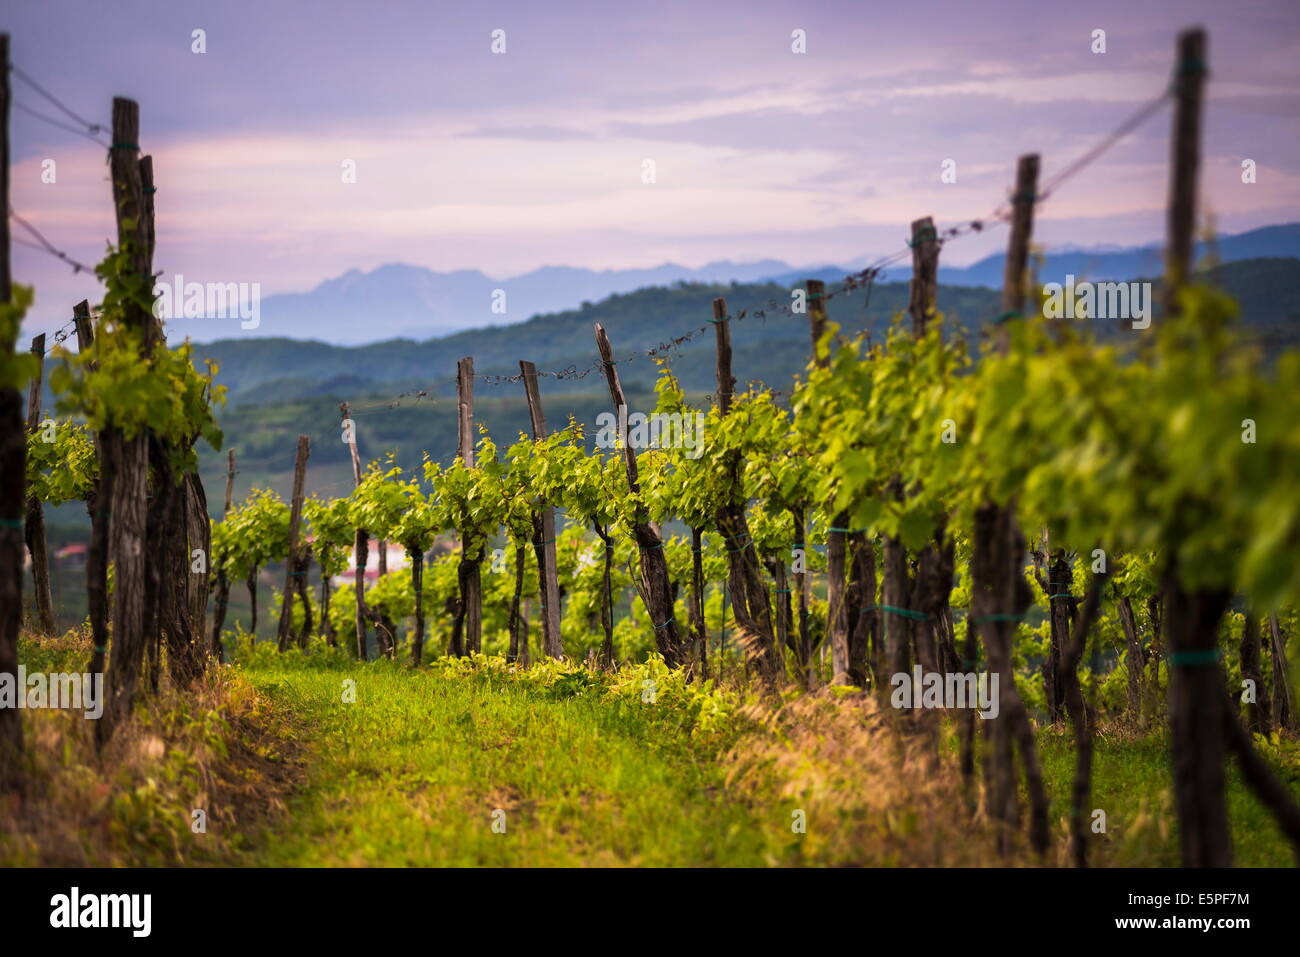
666 624
783 591
151 189
126 146
1002 617
1030 197
903 612
1064 594
968 664
1191 67
1191 659
748 541
11 523
925 235
101 649
1013 314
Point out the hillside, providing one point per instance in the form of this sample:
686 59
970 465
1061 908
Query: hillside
280 388
400 300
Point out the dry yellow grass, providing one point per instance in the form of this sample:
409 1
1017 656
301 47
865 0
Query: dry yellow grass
875 789
220 747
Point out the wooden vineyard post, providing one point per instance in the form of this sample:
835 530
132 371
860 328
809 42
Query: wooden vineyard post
361 541
1197 706
230 482
176 521
656 587
749 598
838 625
1283 706
1000 594
97 504
925 272
129 545
927 592
293 567
469 626
837 621
13 473
37 544
544 530
1017 259
1190 70
223 577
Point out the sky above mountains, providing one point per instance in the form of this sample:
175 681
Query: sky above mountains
505 162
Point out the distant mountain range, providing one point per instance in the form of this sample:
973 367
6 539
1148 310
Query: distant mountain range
1099 263
412 302
403 301
403 392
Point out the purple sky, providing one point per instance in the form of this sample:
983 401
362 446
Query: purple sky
469 159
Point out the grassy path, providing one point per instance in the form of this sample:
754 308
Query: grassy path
419 767
316 760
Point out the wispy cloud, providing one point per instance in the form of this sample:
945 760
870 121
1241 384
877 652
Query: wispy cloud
505 162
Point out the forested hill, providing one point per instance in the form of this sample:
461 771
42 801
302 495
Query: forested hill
770 349
271 370
281 388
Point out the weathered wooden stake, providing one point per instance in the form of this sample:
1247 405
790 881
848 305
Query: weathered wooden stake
293 567
837 615
925 272
544 530
230 482
37 544
13 474
1185 163
97 503
471 551
1022 226
749 596
656 587
129 543
999 592
222 600
361 542
1196 700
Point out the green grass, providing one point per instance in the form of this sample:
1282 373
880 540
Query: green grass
1132 781
585 767
413 771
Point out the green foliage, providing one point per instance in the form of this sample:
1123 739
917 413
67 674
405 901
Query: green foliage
254 533
15 367
330 527
64 470
114 384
